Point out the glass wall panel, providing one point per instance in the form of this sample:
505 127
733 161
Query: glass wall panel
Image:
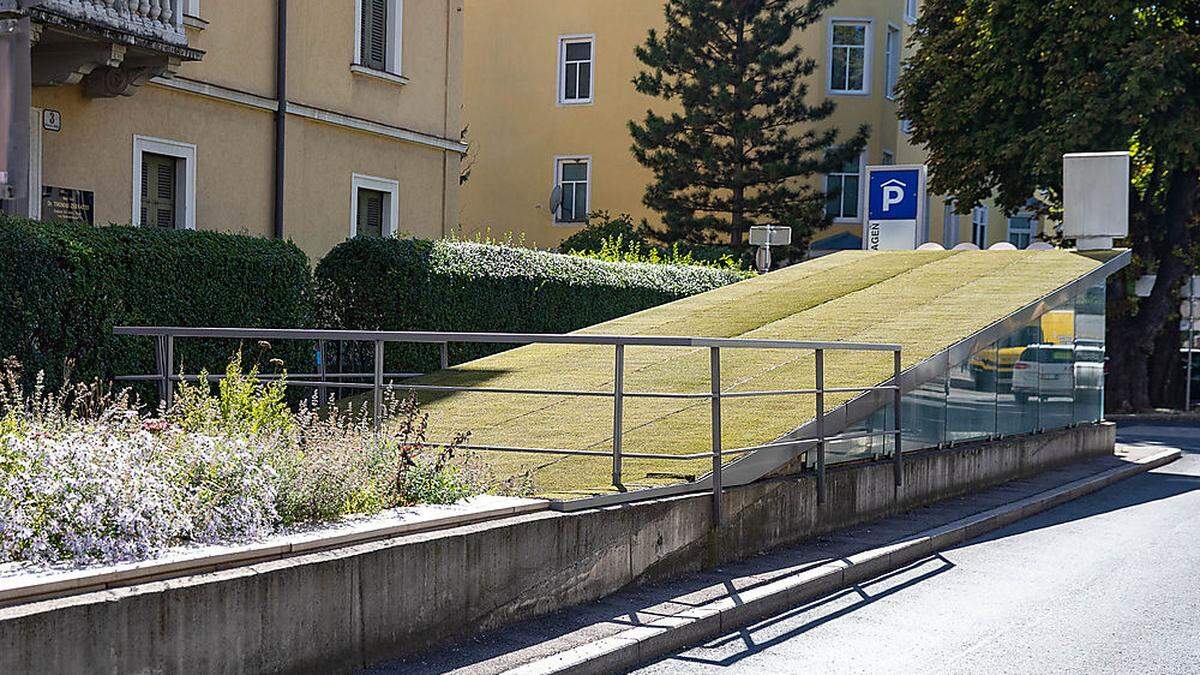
1018 388
923 415
1089 354
1056 367
971 396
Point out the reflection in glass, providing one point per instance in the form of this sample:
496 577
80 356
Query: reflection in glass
1017 395
1056 367
1089 355
971 396
923 415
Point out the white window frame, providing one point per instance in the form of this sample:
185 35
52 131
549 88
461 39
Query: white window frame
395 41
1033 226
185 177
868 56
560 79
573 159
910 11
862 170
891 60
389 187
191 8
979 224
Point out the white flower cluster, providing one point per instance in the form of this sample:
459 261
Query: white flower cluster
105 492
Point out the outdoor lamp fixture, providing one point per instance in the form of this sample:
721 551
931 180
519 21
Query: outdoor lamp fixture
764 237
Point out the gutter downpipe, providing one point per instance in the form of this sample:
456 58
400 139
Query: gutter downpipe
280 114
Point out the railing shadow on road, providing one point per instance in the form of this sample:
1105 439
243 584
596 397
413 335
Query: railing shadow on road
1143 489
827 608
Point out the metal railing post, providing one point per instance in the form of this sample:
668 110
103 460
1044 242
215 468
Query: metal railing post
618 413
820 382
898 461
377 389
444 356
715 377
322 391
170 366
160 364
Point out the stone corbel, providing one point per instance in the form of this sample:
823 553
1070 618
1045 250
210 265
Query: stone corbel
69 63
136 70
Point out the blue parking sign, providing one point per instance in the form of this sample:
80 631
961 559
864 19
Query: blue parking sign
893 194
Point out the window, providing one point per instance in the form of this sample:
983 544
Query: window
888 158
576 76
191 7
950 223
164 185
158 190
841 187
910 11
1020 230
979 223
573 175
374 206
849 57
906 127
891 63
379 32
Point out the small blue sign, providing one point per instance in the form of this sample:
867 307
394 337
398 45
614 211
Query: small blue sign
893 194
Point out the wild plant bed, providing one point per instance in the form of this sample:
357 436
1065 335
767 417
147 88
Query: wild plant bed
88 478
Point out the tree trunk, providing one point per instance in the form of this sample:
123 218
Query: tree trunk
1133 341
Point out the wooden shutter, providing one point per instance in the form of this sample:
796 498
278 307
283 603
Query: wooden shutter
158 190
374 33
370 213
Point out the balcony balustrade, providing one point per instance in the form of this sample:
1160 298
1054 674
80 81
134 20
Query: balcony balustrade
108 46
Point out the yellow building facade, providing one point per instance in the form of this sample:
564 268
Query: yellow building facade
200 113
549 94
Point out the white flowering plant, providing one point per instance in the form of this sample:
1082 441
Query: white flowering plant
87 476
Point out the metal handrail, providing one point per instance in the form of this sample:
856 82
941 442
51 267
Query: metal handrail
381 381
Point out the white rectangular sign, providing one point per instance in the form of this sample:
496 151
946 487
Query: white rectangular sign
891 235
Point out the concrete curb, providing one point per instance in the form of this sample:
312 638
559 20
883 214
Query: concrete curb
644 643
19 590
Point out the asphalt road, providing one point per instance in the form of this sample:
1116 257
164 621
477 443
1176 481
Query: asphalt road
1109 583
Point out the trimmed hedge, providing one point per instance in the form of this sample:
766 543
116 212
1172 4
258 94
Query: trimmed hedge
66 285
411 284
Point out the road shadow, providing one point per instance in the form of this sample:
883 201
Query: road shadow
1162 483
826 609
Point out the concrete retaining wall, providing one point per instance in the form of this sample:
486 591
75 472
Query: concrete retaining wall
351 607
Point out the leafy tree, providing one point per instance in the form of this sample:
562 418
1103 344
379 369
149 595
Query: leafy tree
744 140
999 90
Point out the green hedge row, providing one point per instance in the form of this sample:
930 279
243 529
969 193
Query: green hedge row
410 284
64 286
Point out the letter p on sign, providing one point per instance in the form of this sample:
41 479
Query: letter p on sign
892 195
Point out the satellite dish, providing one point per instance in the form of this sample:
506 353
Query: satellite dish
556 198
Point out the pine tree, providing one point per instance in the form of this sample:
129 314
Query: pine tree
744 144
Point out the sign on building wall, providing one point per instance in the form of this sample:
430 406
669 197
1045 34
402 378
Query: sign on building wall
895 207
68 205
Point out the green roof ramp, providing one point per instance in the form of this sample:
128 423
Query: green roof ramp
936 304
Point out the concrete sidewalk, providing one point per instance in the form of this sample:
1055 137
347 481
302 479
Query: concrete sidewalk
640 623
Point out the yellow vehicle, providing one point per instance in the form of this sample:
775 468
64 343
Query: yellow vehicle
995 368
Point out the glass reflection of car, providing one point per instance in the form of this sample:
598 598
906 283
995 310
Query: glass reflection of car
1057 370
